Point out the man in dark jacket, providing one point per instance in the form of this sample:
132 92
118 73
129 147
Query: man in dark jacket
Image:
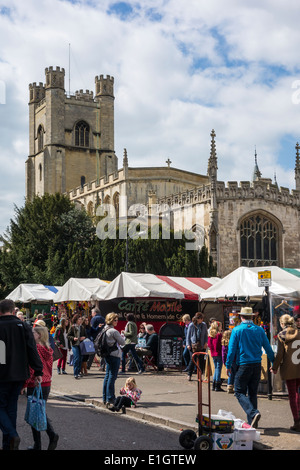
97 325
18 351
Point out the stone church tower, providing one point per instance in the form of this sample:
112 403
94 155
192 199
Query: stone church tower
71 138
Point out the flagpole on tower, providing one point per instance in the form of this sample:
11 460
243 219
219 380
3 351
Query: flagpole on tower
69 67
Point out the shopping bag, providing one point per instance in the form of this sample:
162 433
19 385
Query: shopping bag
87 347
35 413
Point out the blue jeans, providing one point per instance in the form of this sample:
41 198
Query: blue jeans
111 373
246 383
77 360
217 360
233 369
9 394
186 356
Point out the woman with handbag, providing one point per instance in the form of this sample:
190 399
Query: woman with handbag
76 334
41 336
62 342
113 359
196 341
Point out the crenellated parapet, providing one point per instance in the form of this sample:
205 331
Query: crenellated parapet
55 77
36 92
234 191
104 86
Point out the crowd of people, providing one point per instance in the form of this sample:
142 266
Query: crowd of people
34 349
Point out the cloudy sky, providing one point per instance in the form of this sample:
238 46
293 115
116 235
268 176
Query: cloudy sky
181 68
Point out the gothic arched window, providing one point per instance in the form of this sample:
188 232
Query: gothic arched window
40 138
82 134
259 238
40 172
116 202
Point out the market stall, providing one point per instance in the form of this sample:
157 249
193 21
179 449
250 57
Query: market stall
78 289
152 298
242 286
270 297
34 298
26 293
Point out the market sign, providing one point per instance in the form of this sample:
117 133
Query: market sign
264 278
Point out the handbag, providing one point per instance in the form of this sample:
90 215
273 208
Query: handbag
196 347
35 413
87 347
57 354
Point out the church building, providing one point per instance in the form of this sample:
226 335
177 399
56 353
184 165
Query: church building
71 151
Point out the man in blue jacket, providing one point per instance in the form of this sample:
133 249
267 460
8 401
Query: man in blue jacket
245 345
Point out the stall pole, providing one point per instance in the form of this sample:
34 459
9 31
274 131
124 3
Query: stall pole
269 337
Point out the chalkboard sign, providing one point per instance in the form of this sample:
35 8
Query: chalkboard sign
170 346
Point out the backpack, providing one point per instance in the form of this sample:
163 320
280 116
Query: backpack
101 346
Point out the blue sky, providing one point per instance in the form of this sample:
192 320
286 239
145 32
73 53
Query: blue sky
180 69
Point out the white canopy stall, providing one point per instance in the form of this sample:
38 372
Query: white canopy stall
79 289
27 293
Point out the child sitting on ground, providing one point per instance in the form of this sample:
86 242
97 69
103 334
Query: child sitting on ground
130 395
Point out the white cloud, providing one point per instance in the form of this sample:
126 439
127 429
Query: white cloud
179 72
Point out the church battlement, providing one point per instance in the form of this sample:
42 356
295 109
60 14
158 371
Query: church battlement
104 86
232 190
260 189
94 185
57 69
85 96
36 92
55 78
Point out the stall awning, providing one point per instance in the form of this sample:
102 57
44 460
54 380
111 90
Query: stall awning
191 287
150 285
26 293
243 282
79 290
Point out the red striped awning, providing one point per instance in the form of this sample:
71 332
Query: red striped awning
191 287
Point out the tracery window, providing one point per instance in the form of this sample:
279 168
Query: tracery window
82 134
259 241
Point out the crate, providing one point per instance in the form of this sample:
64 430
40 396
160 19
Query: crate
219 424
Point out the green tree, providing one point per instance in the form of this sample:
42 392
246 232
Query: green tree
46 235
50 240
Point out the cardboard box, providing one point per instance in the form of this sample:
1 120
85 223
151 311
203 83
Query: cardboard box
245 434
223 441
243 445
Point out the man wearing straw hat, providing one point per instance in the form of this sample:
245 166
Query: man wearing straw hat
245 345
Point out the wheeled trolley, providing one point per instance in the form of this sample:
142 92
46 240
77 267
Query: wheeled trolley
209 427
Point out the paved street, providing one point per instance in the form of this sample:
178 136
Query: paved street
168 399
83 427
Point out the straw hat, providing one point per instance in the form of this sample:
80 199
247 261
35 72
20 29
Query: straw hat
246 311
